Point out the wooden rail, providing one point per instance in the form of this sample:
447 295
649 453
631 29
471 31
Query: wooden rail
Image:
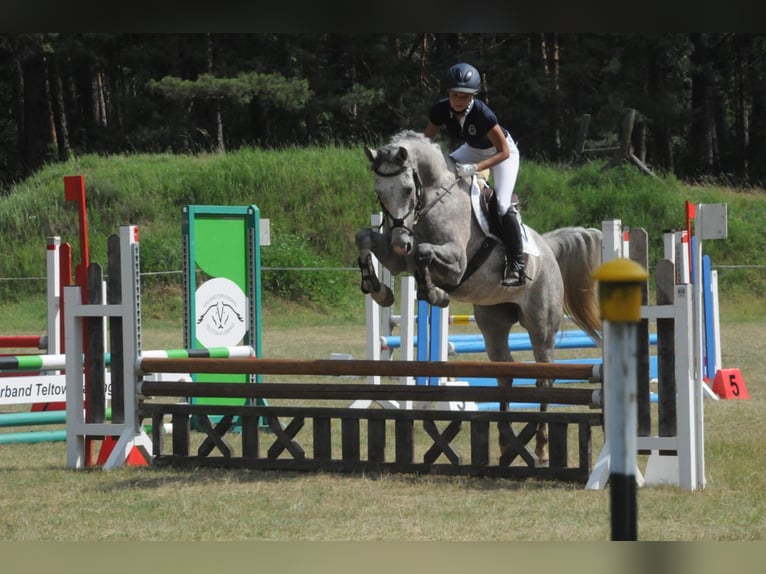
365 368
388 392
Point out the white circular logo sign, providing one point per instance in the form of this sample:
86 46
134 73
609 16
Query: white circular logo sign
221 309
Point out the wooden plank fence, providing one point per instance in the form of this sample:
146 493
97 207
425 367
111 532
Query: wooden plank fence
391 437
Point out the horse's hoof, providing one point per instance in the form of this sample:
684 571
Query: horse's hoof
443 302
388 300
373 283
438 298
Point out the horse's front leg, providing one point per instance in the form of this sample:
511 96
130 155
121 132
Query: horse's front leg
444 264
369 243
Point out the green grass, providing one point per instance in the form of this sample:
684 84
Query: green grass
46 502
316 198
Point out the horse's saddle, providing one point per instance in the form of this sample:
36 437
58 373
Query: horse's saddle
485 209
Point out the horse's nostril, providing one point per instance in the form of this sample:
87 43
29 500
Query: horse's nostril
401 249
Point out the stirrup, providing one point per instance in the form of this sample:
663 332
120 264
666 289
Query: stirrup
514 278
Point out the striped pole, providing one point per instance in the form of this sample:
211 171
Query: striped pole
235 352
58 362
32 362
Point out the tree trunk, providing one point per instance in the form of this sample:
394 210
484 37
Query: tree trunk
641 137
99 99
549 49
555 100
36 144
741 98
659 117
18 103
756 151
703 136
219 145
59 109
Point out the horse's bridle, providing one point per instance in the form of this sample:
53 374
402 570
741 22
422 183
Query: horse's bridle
396 221
419 209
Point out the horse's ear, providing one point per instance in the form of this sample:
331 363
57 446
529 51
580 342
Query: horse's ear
402 154
370 153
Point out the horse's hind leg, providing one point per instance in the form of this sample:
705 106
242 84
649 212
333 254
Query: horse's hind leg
495 322
543 339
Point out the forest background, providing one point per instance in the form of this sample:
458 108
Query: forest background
699 97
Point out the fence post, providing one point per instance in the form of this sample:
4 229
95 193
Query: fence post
620 283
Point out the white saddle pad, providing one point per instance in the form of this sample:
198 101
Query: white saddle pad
530 247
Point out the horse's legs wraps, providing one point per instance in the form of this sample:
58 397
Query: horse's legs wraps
370 280
371 285
427 291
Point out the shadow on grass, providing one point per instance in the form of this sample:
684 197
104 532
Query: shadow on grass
148 478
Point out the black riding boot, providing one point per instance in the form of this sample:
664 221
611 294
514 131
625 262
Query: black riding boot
513 274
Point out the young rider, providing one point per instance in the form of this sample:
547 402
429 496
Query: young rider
486 145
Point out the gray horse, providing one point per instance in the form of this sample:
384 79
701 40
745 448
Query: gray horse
432 232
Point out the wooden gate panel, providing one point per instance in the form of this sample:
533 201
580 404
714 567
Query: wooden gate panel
287 453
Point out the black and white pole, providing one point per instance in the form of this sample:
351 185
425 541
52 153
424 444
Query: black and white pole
620 303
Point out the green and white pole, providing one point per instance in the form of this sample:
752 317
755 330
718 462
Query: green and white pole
58 362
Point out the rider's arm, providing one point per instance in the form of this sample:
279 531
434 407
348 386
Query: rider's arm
497 137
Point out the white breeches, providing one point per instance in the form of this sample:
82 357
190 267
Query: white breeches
503 174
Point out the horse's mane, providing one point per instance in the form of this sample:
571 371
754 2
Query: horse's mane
428 155
411 137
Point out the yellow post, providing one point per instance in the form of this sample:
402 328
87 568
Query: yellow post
620 283
619 294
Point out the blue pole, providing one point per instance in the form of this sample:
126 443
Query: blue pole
422 331
434 343
707 297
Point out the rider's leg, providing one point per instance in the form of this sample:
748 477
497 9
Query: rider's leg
504 177
513 273
504 180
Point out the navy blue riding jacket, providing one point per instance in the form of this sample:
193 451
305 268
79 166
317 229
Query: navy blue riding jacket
478 122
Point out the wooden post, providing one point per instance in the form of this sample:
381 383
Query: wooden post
666 352
581 135
626 133
639 252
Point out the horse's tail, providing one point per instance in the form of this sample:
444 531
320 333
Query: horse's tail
578 252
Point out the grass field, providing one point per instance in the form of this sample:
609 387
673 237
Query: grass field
44 501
